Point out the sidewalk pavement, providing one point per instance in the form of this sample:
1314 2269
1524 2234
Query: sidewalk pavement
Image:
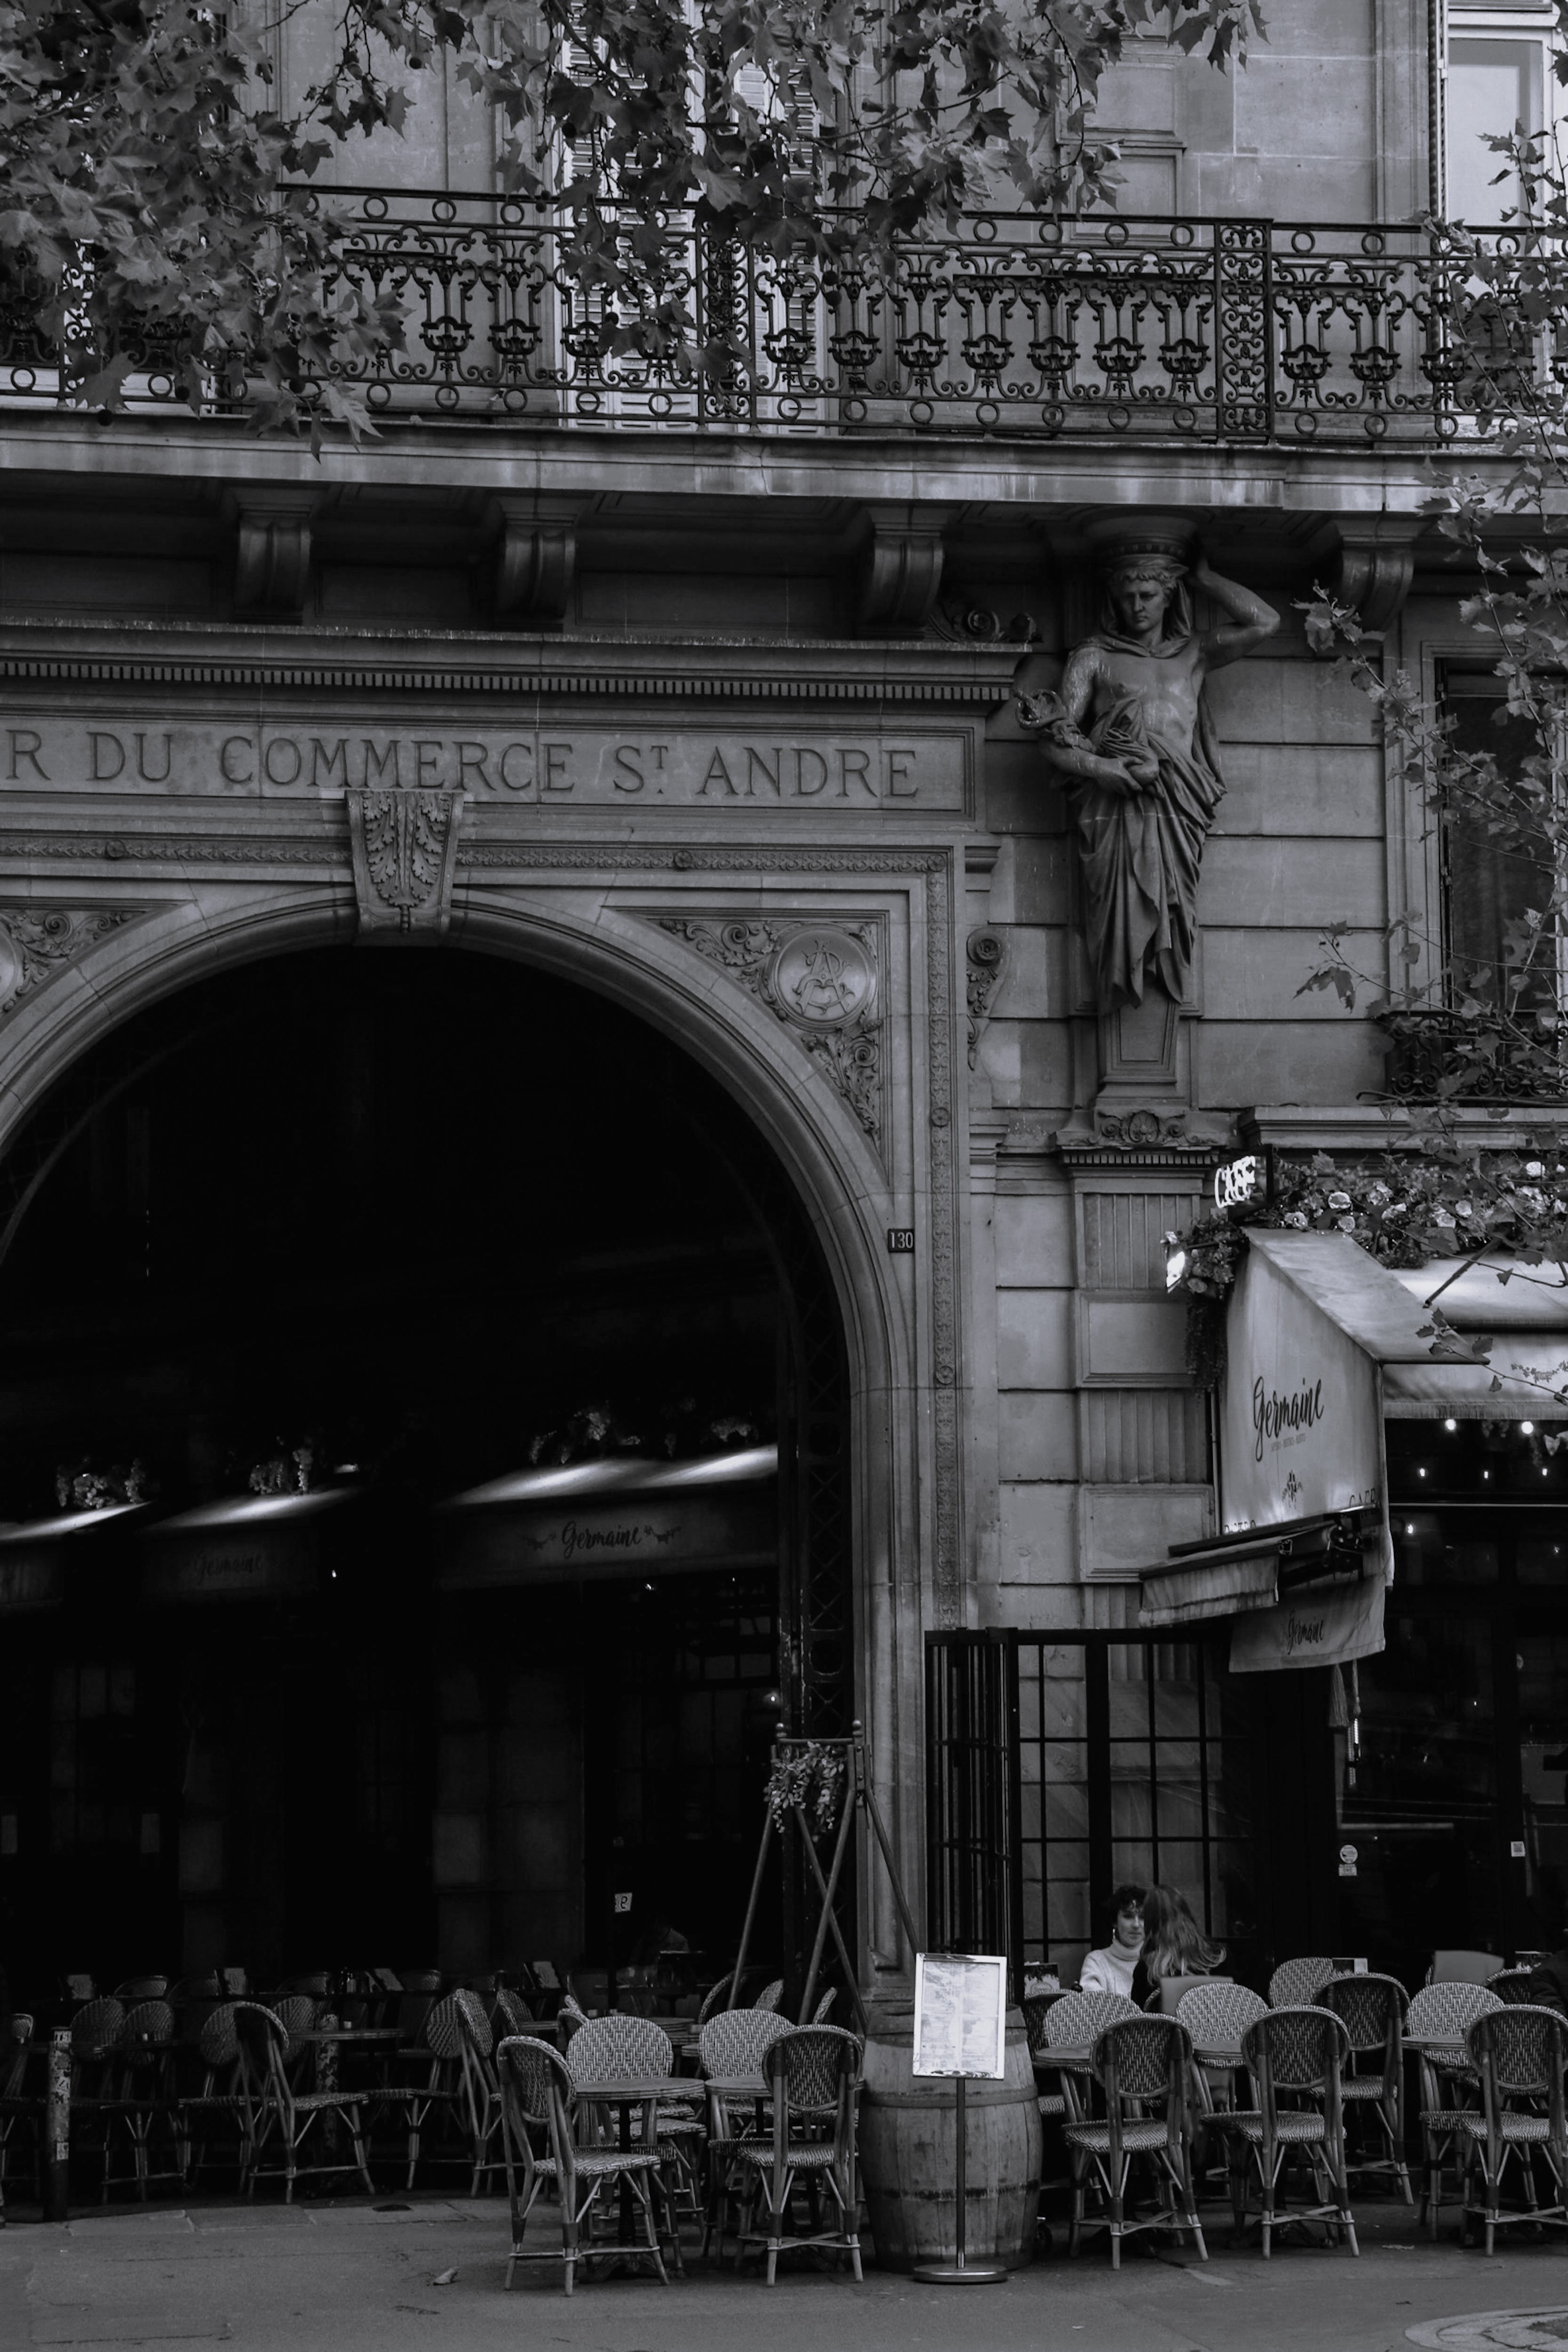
360 2277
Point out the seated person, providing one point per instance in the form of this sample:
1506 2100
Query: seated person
1174 1945
1548 1986
1110 1968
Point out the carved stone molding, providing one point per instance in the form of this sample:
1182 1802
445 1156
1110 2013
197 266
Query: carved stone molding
899 573
536 556
821 980
405 849
986 959
272 554
36 943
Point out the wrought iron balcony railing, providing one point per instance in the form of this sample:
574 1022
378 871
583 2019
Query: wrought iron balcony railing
1447 1056
1194 331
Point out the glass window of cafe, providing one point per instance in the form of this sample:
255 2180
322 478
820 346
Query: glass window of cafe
1452 1771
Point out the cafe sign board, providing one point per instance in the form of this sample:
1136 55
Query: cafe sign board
263 1548
637 1535
1299 1413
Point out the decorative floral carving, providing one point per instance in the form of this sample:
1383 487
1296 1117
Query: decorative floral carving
405 848
986 956
820 978
36 943
1136 1130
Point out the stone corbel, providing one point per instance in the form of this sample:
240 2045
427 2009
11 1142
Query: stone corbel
985 959
535 557
899 554
1376 566
272 553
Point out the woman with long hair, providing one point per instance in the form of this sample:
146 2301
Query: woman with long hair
1174 1943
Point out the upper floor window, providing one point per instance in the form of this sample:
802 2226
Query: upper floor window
1499 856
1499 74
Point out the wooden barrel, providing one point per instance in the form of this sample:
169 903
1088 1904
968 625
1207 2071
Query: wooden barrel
909 2151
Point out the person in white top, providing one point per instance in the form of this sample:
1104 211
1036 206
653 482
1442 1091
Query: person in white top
1109 1970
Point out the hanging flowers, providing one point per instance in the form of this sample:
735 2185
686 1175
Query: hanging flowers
809 1773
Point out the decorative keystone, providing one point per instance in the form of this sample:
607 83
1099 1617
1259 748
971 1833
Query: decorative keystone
405 850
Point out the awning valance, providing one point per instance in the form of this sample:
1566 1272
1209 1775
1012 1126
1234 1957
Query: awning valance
1246 1573
596 1521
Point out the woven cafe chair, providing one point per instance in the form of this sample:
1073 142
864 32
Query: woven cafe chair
227 2097
1076 2022
824 2009
1511 1986
1445 2012
95 2031
621 2047
1295 1984
422 1988
1216 2017
1300 2051
298 2013
815 2073
480 2104
21 2088
288 2114
729 2047
771 1995
1140 2063
539 2149
1035 2012
511 2014
142 2098
1519 2054
716 1997
431 2091
1371 2009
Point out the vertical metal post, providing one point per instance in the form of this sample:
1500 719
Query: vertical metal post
57 2129
963 2127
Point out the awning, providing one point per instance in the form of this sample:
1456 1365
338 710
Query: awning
1251 1572
594 1521
249 1548
34 1553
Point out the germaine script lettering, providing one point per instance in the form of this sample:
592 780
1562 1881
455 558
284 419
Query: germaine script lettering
1274 1414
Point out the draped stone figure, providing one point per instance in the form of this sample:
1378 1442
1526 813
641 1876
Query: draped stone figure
1130 734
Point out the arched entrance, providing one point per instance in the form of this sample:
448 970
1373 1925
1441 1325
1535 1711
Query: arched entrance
391 1228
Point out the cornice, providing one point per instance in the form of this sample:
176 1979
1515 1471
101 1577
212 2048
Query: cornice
1367 1126
509 667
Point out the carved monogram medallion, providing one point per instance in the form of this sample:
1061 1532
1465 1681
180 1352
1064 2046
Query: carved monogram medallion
37 943
819 979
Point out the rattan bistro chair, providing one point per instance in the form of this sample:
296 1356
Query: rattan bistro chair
625 2048
1445 2012
1075 2022
731 2047
1518 2053
285 2114
227 2097
1371 2009
539 2149
1300 2051
143 2099
1051 2103
1141 2063
429 2094
1296 1983
1511 1986
815 2074
480 2104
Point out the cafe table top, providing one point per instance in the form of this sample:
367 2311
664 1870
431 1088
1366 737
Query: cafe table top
349 2033
1078 2057
621 2090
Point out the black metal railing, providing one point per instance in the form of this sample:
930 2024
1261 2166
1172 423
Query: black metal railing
1183 330
1466 1058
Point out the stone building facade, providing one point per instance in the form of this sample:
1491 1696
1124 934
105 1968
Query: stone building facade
712 716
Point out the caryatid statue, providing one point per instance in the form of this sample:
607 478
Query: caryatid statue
1130 734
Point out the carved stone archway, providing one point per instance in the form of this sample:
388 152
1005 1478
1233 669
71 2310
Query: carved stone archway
156 946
